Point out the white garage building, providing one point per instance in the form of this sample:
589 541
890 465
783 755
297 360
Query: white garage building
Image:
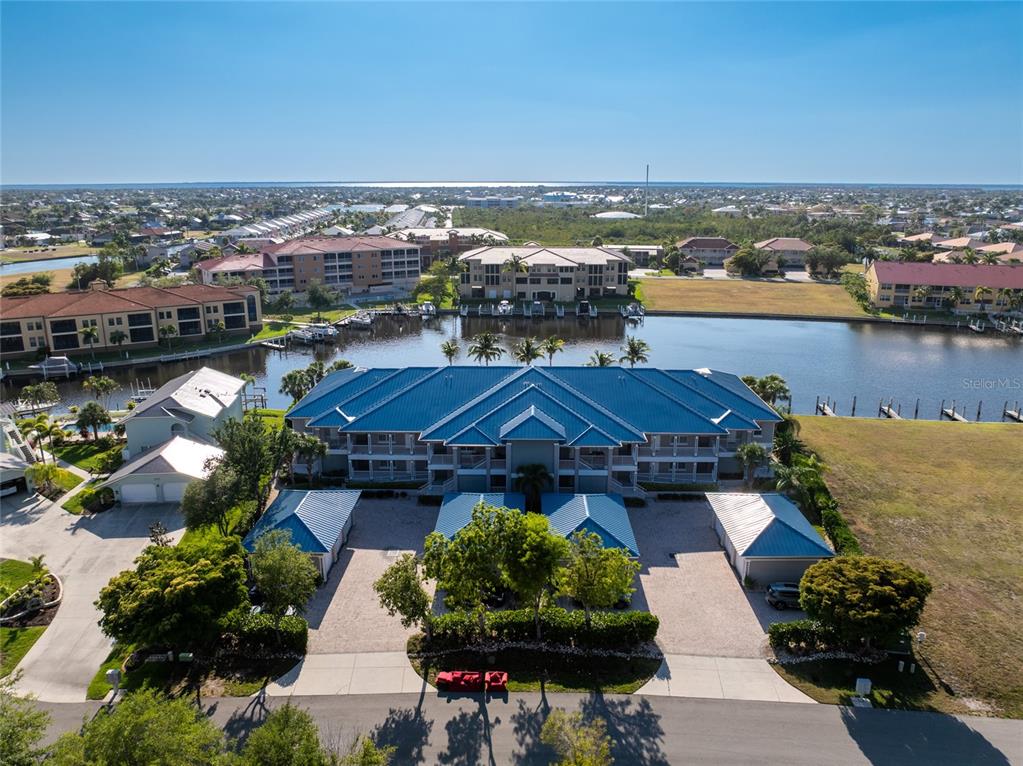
160 475
766 537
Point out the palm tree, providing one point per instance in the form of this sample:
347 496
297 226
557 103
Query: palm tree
970 256
980 295
92 415
527 351
35 426
484 348
803 477
989 258
750 455
42 475
296 384
921 293
47 429
532 480
551 346
772 388
167 332
450 349
315 372
635 350
1005 296
117 337
600 359
956 296
516 264
90 335
339 364
310 449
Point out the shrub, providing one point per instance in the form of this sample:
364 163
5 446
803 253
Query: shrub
838 530
608 630
801 636
634 502
260 632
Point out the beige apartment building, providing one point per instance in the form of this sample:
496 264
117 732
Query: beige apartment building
712 251
124 319
787 251
562 274
357 264
909 285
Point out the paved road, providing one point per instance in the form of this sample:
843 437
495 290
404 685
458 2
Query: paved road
85 552
650 731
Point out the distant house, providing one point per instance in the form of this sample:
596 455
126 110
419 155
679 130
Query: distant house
493 201
319 522
766 537
730 210
709 250
958 243
891 284
434 243
926 238
788 251
640 255
192 406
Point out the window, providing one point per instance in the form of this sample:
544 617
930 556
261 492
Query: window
62 326
10 344
141 334
88 323
189 313
12 328
141 320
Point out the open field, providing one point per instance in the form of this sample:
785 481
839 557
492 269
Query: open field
62 279
37 253
945 498
740 296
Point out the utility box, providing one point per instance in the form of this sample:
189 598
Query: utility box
863 687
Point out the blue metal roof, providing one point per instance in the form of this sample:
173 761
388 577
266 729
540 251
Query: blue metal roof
593 406
532 424
456 510
316 518
604 514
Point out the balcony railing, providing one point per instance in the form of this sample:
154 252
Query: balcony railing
663 453
387 449
388 476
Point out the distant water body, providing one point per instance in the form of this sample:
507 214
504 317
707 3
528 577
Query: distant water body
501 185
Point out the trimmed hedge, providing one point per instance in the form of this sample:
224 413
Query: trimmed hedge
608 630
261 632
801 636
838 530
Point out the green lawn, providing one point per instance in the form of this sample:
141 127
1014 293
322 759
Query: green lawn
65 480
85 455
270 418
271 329
88 496
14 573
14 644
743 296
306 314
945 498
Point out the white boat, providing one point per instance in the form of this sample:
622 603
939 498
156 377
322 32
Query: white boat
361 321
302 336
322 332
28 408
427 310
504 308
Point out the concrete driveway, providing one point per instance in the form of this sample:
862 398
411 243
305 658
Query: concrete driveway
687 582
85 552
345 615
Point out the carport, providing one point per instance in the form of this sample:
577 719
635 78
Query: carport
766 537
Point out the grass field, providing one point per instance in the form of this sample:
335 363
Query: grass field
738 296
14 573
15 254
62 279
945 498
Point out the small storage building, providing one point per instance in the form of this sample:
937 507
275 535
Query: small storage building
766 537
319 521
603 514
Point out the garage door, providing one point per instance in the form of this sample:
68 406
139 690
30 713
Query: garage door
173 491
766 571
138 493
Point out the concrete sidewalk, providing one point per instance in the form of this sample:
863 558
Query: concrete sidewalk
349 673
730 678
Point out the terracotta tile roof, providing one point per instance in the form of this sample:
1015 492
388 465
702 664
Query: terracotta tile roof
311 245
707 243
239 262
86 302
949 274
958 242
1001 248
784 243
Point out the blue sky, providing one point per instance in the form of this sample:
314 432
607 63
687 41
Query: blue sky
869 92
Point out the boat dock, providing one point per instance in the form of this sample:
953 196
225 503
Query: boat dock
952 414
888 411
827 407
1012 414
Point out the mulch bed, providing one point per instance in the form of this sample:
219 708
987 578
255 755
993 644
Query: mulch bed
40 616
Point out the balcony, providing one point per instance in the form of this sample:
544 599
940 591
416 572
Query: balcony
385 476
678 478
398 450
443 460
676 453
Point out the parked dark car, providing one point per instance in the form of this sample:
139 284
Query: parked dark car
783 595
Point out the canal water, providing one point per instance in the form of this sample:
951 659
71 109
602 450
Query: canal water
828 359
51 264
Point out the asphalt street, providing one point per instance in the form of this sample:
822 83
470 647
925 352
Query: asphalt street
645 731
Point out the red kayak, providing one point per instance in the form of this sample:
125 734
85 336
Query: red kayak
472 680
